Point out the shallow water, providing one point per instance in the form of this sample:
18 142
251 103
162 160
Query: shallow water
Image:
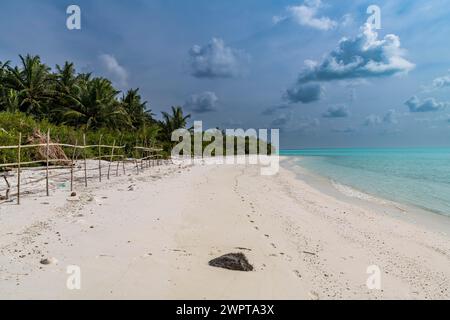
419 177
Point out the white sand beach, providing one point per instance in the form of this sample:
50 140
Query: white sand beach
150 236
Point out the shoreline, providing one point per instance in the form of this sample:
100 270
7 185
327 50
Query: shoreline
413 214
150 236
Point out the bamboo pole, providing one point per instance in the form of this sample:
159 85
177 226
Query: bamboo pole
112 157
118 161
85 165
47 154
135 158
100 159
73 164
117 167
142 158
145 153
18 167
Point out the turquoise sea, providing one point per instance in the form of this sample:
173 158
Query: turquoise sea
419 177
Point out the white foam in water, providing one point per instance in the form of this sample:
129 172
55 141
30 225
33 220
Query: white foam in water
353 193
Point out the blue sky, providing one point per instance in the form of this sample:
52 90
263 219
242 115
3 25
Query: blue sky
261 64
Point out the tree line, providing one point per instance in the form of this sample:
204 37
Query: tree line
80 100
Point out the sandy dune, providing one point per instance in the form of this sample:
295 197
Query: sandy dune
150 236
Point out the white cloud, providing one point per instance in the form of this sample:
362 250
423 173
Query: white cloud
389 118
216 60
307 15
441 82
113 69
359 58
372 120
340 111
364 56
428 105
304 93
202 102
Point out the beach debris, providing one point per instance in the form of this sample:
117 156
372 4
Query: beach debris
62 186
54 152
310 253
232 261
73 194
48 261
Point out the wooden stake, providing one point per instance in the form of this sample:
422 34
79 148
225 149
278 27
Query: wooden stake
47 154
112 157
73 164
85 165
135 158
100 159
117 167
18 167
118 160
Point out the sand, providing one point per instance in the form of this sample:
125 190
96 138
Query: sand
151 236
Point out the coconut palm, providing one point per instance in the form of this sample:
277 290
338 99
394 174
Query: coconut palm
136 109
66 90
172 122
97 107
10 101
32 82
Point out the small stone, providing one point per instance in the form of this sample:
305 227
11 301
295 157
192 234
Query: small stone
232 261
48 261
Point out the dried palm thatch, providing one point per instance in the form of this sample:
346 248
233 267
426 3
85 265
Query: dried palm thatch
54 152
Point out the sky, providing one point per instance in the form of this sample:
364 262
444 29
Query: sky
323 72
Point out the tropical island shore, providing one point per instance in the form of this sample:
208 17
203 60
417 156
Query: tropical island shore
150 236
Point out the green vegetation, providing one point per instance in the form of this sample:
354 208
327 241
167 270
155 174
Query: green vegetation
34 98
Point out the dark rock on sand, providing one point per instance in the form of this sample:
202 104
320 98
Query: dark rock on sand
232 261
48 261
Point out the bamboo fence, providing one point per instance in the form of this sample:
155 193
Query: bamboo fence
145 157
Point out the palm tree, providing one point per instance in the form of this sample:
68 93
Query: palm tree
97 107
3 89
10 101
136 109
172 122
67 89
33 85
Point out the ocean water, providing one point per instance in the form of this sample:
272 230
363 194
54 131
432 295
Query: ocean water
419 177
